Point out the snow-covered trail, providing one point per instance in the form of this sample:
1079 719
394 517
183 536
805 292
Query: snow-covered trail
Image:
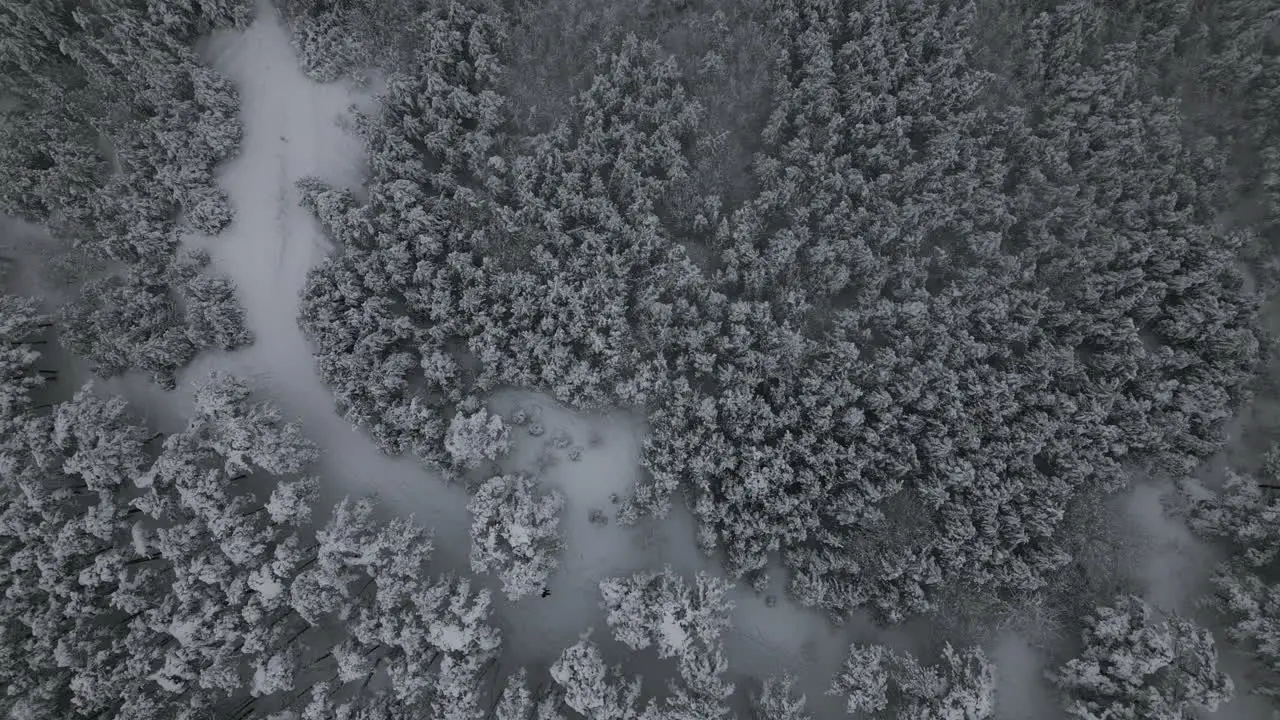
293 129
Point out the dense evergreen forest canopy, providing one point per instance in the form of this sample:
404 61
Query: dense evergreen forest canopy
937 319
905 290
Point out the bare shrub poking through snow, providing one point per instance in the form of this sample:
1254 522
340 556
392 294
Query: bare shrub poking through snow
515 533
561 439
475 438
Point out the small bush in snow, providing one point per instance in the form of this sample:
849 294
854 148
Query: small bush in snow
560 439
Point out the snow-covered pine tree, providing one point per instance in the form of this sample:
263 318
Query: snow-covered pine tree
515 702
515 533
214 316
196 597
593 690
476 438
1245 514
429 635
702 691
127 321
1134 667
96 439
20 324
410 258
875 679
659 608
777 700
112 130
250 436
71 541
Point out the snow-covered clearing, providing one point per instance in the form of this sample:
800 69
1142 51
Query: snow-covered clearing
1175 564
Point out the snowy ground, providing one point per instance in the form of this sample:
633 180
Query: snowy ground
292 130
1022 692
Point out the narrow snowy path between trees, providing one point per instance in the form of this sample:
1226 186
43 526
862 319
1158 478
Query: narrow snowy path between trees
293 128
